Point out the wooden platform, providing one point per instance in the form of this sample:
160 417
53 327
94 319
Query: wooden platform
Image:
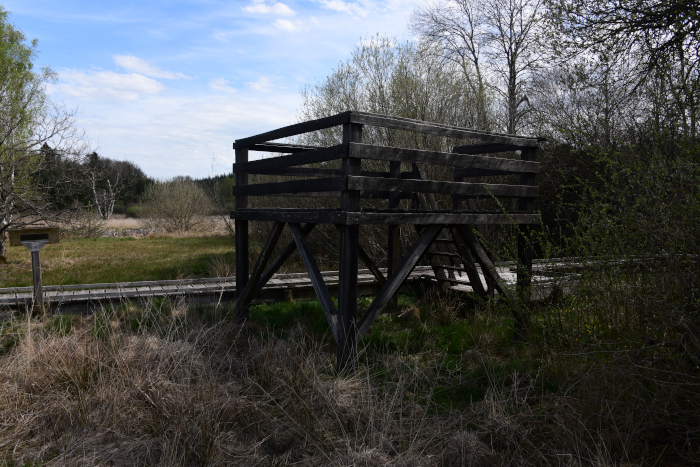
87 297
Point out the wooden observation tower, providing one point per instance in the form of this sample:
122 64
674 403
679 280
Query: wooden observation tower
447 237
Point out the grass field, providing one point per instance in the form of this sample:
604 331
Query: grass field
96 260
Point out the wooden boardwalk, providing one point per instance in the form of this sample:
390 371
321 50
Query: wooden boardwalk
86 297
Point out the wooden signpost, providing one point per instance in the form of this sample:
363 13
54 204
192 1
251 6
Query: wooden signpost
34 239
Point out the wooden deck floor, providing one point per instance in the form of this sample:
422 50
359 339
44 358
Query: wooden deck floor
85 297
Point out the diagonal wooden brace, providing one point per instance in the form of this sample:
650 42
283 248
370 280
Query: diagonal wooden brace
279 261
317 281
488 268
394 282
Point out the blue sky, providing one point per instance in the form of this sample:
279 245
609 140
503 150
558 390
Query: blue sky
170 85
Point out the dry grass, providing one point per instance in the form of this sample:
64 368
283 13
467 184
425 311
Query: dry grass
172 385
212 225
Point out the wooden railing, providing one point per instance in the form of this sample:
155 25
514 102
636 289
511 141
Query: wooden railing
350 182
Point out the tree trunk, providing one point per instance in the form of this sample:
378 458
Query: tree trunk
3 249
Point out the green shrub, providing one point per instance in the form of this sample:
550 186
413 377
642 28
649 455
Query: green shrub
134 212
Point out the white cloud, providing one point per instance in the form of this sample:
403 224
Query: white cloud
221 36
263 84
106 85
286 25
138 65
344 7
261 7
221 84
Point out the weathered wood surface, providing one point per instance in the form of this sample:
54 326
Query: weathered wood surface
293 130
400 123
367 151
82 297
319 285
485 148
385 121
485 190
335 216
300 283
302 158
397 278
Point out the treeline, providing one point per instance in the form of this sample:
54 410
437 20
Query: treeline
94 183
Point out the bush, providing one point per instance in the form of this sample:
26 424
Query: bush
134 212
176 205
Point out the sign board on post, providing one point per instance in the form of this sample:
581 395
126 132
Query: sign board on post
18 235
35 239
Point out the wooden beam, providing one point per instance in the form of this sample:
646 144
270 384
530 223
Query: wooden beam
464 173
293 130
314 172
241 230
335 216
393 232
438 129
487 267
525 249
469 264
395 281
448 188
247 295
302 158
346 351
485 148
324 297
367 151
292 186
280 260
282 147
367 261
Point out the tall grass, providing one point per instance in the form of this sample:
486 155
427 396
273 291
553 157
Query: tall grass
168 384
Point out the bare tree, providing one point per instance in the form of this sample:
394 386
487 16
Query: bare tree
494 42
109 181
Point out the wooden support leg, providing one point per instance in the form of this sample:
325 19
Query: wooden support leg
469 264
347 298
247 295
394 256
241 227
524 277
393 233
241 231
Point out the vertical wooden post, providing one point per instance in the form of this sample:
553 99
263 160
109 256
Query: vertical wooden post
525 251
393 244
241 232
36 276
349 251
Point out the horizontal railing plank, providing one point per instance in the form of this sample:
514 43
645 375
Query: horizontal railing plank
302 158
366 151
335 216
292 186
294 130
438 129
446 188
282 147
485 148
